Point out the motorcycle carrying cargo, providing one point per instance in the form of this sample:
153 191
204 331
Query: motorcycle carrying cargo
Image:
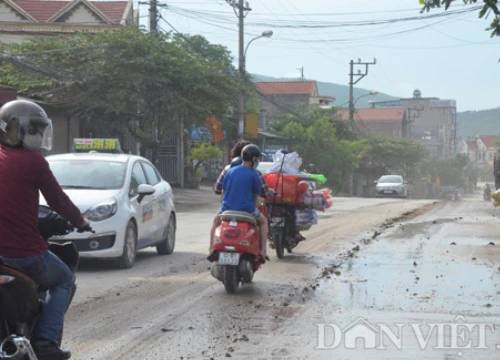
286 188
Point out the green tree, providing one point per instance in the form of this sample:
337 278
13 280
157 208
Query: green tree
452 172
126 79
199 155
490 6
383 155
313 135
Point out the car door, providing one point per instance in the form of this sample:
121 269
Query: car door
144 209
160 216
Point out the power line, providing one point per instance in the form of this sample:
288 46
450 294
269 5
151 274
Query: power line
279 23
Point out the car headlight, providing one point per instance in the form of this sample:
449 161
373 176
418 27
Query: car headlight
101 211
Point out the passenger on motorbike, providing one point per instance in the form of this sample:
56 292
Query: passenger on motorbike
487 192
241 191
25 130
236 160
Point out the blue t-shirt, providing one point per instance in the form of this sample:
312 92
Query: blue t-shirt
240 184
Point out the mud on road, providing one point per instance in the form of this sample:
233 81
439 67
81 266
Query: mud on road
178 311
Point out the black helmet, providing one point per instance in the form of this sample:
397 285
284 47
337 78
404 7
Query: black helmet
250 151
236 161
25 123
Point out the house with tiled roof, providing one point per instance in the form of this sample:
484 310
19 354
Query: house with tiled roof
284 97
379 121
24 19
21 20
481 150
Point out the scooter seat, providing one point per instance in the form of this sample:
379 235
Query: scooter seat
243 216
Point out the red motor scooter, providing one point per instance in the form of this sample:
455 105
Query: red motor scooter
236 249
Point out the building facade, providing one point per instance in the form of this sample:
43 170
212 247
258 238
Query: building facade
285 97
22 20
378 121
430 121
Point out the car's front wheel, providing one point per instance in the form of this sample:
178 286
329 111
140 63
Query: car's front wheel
127 260
168 243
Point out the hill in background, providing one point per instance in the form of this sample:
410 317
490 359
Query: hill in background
483 122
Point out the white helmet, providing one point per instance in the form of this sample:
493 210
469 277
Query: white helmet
25 123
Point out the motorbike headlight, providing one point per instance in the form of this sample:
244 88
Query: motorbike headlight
101 211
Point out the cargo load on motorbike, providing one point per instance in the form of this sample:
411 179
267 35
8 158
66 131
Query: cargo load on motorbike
293 202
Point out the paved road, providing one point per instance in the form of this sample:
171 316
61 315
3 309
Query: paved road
171 308
424 289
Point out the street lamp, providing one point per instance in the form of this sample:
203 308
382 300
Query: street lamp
371 93
242 71
352 103
266 34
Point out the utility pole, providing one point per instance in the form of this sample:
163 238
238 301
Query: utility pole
359 76
241 67
301 73
153 16
413 113
241 9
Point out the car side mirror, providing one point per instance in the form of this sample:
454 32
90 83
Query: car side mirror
144 190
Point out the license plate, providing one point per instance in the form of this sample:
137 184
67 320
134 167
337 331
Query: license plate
227 258
387 192
277 221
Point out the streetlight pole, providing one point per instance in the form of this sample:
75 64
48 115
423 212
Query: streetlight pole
352 105
241 67
242 71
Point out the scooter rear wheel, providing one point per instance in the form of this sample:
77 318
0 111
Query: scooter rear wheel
278 245
231 278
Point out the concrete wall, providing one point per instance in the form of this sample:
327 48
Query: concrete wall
434 125
65 130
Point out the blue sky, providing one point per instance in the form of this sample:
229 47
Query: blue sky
450 57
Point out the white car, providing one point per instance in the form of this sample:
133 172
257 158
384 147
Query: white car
391 185
128 204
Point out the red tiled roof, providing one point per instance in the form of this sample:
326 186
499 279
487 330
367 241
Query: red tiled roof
375 114
112 9
42 10
286 87
488 140
471 144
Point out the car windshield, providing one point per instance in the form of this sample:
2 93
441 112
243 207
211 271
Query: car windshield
88 174
390 179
